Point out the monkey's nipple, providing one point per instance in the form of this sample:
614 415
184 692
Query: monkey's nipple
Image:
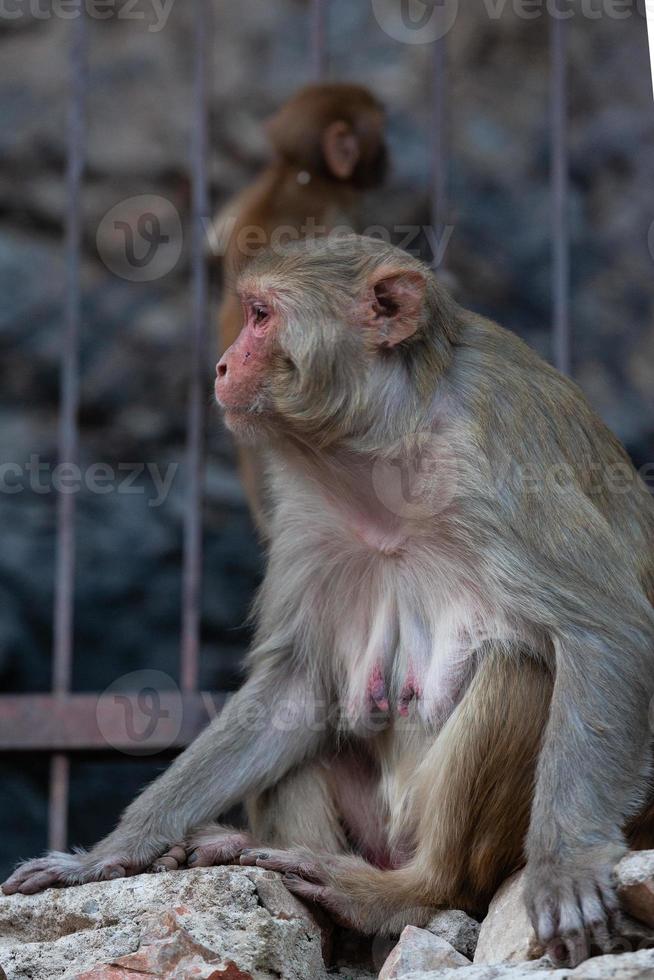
410 690
377 692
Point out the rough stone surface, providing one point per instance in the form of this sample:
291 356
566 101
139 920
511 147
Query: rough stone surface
457 928
635 874
420 950
506 935
627 966
230 923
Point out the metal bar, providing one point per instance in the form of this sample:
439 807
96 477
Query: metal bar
439 182
110 722
192 571
319 60
559 192
649 13
68 425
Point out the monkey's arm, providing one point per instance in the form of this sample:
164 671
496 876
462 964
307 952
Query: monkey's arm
268 727
576 581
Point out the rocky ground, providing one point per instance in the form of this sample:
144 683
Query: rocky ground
242 924
135 336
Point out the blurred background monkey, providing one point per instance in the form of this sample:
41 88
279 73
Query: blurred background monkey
329 148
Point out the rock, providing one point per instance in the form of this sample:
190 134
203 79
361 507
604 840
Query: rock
635 875
506 935
419 951
627 966
209 923
456 928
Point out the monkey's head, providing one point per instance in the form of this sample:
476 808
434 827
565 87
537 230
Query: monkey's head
334 131
343 342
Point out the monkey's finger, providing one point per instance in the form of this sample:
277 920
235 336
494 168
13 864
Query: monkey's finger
22 873
165 863
111 872
38 882
547 922
595 917
173 859
286 862
578 946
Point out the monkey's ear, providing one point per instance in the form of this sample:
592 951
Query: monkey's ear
340 148
395 304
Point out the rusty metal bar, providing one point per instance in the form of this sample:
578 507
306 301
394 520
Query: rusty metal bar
649 13
112 721
319 59
559 193
192 570
68 425
439 182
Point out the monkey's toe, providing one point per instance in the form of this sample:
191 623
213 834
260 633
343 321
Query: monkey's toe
336 905
206 851
286 862
172 860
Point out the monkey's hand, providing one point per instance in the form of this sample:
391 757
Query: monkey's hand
315 878
59 869
573 903
211 845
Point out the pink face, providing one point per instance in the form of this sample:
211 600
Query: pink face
242 370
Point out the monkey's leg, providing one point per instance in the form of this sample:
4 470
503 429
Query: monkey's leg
299 811
243 750
473 798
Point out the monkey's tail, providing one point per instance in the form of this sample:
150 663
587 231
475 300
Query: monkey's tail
377 901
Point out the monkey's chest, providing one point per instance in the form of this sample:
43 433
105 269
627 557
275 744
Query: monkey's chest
403 651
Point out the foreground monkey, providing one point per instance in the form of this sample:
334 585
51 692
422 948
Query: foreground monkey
329 148
450 657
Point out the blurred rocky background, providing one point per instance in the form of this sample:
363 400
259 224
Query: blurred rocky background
136 336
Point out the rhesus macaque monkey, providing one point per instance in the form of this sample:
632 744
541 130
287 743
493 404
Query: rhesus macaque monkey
329 148
454 656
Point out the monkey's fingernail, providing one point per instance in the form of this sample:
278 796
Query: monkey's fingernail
193 859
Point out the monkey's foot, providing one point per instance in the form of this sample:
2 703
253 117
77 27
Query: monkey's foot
572 908
58 869
312 878
205 848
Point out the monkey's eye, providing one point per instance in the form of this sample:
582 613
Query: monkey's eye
260 313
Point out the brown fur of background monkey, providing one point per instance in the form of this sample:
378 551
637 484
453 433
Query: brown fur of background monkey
329 148
449 678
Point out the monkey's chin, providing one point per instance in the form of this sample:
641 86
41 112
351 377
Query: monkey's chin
246 426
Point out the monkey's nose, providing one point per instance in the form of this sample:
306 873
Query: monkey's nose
221 368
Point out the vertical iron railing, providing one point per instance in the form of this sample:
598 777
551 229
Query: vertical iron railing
319 60
559 195
439 155
192 570
649 14
42 722
68 423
